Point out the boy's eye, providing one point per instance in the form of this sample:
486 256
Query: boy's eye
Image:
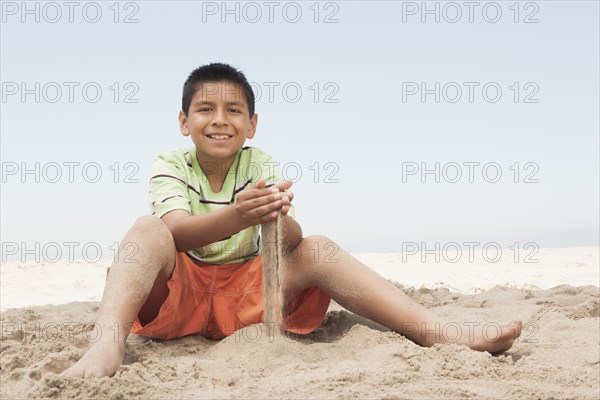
235 110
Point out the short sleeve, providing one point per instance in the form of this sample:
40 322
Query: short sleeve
168 186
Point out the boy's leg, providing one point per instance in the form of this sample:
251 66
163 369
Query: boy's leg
317 261
145 264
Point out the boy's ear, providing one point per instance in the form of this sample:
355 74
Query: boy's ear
183 124
253 123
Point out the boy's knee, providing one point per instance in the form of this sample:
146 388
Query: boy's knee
318 240
312 248
153 228
150 223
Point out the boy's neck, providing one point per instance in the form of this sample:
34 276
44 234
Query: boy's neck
215 171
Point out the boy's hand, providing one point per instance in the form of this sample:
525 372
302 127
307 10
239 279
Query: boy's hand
260 204
287 195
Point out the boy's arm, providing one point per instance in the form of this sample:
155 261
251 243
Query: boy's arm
252 207
195 231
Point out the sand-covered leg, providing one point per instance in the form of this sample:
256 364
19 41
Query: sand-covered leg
318 261
145 263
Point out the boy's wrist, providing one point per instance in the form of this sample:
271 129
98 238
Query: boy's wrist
239 222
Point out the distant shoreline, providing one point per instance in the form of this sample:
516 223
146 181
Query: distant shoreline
31 284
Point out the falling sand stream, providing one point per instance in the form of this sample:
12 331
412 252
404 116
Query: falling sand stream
273 270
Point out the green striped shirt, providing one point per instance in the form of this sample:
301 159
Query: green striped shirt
178 183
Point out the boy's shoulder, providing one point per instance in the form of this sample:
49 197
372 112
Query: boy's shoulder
254 154
180 155
184 156
252 163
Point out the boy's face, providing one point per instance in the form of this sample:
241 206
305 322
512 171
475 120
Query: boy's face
218 121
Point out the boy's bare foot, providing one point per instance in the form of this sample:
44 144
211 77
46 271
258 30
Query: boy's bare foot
103 358
494 339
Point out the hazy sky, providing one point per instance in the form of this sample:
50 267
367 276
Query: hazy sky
361 98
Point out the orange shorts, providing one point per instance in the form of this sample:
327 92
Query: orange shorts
217 300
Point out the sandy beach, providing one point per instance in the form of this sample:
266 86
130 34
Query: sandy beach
558 355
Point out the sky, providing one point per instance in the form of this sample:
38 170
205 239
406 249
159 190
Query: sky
399 122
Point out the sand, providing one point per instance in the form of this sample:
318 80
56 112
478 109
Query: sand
272 271
558 355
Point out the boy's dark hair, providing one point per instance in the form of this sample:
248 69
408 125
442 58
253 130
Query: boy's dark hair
215 72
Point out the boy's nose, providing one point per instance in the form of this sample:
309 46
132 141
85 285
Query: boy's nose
220 118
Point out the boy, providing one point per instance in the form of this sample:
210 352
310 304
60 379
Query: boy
197 268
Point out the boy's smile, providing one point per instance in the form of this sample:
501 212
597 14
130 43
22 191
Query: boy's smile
219 123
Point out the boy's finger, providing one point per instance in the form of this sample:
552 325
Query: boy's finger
264 192
255 192
260 184
252 206
253 199
269 217
284 185
268 208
